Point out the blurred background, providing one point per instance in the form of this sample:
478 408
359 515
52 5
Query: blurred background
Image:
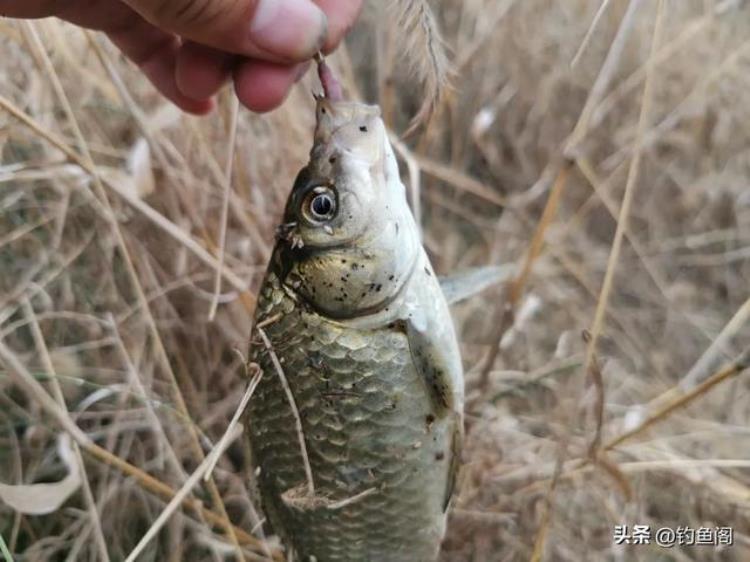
601 148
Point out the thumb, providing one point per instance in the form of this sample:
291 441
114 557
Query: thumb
274 30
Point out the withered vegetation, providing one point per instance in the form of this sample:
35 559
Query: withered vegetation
601 146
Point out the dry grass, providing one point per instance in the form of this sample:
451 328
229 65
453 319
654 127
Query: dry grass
110 263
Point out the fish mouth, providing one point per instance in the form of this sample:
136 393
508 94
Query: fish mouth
288 234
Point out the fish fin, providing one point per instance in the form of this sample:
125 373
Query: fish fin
433 344
455 462
439 367
469 283
437 359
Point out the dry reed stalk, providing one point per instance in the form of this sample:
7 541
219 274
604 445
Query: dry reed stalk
293 405
624 214
159 220
549 498
134 278
515 290
659 279
235 105
679 400
603 78
665 52
135 381
49 368
26 381
459 180
731 370
589 32
234 421
719 346
174 504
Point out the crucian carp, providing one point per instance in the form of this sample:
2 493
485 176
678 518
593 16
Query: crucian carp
356 424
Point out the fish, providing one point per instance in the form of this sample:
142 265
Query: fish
356 423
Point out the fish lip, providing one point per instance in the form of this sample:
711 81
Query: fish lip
315 248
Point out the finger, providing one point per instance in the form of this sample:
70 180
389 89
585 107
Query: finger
202 71
27 9
341 15
155 53
94 14
275 30
261 86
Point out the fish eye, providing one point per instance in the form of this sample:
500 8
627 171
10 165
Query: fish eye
320 205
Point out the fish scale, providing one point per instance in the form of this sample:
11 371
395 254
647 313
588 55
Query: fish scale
367 423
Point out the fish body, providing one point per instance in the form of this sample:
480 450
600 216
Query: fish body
353 316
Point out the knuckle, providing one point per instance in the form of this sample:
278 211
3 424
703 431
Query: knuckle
185 14
159 12
197 12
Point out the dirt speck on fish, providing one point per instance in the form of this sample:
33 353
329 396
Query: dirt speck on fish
356 318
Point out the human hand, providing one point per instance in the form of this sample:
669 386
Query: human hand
190 48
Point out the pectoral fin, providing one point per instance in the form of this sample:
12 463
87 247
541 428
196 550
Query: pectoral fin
455 461
434 348
466 284
437 361
436 368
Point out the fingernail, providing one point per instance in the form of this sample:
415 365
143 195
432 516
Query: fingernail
293 29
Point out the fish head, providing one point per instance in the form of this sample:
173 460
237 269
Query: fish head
349 241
